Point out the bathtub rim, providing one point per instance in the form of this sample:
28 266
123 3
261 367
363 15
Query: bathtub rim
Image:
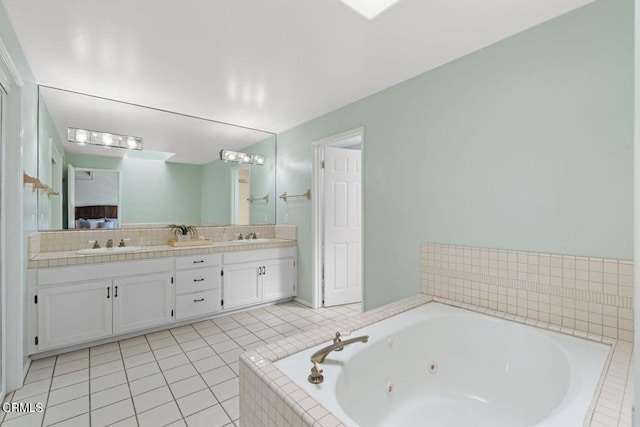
300 405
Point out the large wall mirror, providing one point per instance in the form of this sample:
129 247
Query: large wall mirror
177 177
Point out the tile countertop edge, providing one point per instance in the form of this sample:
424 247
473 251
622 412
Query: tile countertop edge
259 362
56 259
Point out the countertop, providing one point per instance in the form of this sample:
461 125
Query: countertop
62 258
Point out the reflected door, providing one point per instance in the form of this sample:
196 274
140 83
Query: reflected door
241 192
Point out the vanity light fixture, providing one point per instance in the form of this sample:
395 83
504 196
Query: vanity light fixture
235 156
104 139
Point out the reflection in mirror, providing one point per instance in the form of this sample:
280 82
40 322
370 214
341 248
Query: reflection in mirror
94 198
178 177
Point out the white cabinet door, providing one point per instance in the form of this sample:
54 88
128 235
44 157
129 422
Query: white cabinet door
72 314
142 302
278 279
242 284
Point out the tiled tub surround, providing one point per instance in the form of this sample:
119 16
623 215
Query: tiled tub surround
57 248
594 296
268 397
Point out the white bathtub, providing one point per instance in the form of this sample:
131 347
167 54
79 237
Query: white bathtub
438 365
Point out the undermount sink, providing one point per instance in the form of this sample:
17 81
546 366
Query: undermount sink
109 251
252 241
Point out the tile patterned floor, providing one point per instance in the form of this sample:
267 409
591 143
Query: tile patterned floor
182 376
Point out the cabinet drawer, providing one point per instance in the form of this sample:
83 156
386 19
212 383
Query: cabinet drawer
197 304
258 255
206 260
197 279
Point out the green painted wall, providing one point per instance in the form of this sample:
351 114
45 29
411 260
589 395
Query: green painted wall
526 144
152 191
216 192
216 187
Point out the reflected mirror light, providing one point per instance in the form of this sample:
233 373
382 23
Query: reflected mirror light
85 137
234 156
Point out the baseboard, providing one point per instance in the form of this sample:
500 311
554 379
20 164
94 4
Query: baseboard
303 302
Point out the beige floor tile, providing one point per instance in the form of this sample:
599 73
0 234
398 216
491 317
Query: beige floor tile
210 417
77 421
142 371
70 379
112 413
71 392
108 381
218 375
66 410
209 363
232 407
72 366
227 389
179 373
110 396
160 416
196 402
173 361
187 386
148 383
145 401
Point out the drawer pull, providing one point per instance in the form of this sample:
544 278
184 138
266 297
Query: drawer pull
198 262
199 280
198 300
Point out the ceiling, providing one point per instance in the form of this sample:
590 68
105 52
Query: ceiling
263 64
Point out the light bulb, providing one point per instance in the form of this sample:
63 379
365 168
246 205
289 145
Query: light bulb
131 142
246 158
81 136
259 160
107 139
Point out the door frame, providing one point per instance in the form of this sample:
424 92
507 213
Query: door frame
317 207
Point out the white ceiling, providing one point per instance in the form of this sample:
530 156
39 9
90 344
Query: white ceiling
194 141
264 64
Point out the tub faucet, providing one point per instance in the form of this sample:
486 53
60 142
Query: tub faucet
319 356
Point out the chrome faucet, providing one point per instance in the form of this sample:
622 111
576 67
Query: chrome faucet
110 243
319 356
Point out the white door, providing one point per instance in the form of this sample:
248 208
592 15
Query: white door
342 226
241 284
278 279
73 314
71 196
142 302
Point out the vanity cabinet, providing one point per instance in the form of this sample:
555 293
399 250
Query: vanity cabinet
85 303
75 305
141 302
252 277
75 313
198 285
